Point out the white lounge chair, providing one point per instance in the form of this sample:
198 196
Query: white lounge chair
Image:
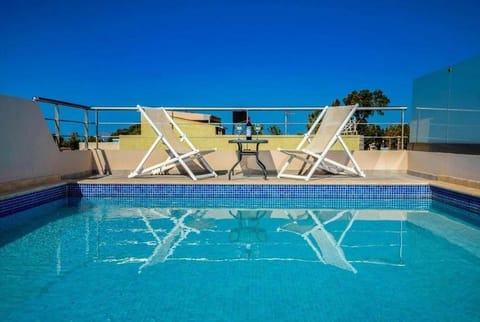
314 147
179 148
323 244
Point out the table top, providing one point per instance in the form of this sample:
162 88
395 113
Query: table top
255 141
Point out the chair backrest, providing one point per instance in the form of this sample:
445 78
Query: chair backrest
165 124
332 123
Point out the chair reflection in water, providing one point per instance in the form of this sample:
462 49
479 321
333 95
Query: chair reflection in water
184 223
312 227
248 233
237 235
326 248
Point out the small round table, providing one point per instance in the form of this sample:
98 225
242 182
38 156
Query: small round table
241 152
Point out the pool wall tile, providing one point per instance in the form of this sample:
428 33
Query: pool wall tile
215 192
251 191
32 199
460 200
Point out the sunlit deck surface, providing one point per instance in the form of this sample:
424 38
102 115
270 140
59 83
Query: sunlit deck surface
254 177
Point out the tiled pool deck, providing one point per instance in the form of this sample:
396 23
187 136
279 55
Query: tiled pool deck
377 185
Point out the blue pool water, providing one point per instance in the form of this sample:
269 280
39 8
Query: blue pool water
140 259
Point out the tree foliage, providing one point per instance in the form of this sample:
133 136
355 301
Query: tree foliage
336 102
92 138
394 132
134 129
374 135
389 138
274 130
364 98
74 141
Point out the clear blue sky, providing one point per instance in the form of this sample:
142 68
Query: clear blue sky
240 53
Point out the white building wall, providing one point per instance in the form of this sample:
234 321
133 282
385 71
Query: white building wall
27 149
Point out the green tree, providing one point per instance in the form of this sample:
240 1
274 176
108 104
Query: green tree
372 136
274 130
131 130
73 141
366 98
91 138
336 102
394 132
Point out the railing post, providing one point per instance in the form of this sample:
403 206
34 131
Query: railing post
86 129
96 129
403 129
57 125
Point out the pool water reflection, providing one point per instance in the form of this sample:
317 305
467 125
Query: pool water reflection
289 264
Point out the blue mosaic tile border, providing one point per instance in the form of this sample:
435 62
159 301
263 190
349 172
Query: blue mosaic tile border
251 191
459 200
318 193
257 203
32 199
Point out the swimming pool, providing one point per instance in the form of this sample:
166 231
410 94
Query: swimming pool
225 259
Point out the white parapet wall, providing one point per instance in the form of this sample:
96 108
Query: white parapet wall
27 150
116 160
456 168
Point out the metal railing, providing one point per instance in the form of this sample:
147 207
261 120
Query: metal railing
282 122
57 120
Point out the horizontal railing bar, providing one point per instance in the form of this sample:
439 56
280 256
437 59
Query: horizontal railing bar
382 136
381 123
68 121
229 123
448 109
113 108
252 108
226 125
123 123
57 102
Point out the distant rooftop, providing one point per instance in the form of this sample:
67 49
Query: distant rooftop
207 118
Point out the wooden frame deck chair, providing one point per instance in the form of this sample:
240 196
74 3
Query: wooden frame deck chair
179 148
323 243
314 147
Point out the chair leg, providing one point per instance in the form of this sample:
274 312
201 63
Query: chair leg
139 169
357 168
285 166
313 169
205 164
305 166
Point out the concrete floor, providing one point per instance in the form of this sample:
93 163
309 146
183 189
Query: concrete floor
255 177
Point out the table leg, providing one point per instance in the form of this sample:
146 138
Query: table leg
239 158
260 163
